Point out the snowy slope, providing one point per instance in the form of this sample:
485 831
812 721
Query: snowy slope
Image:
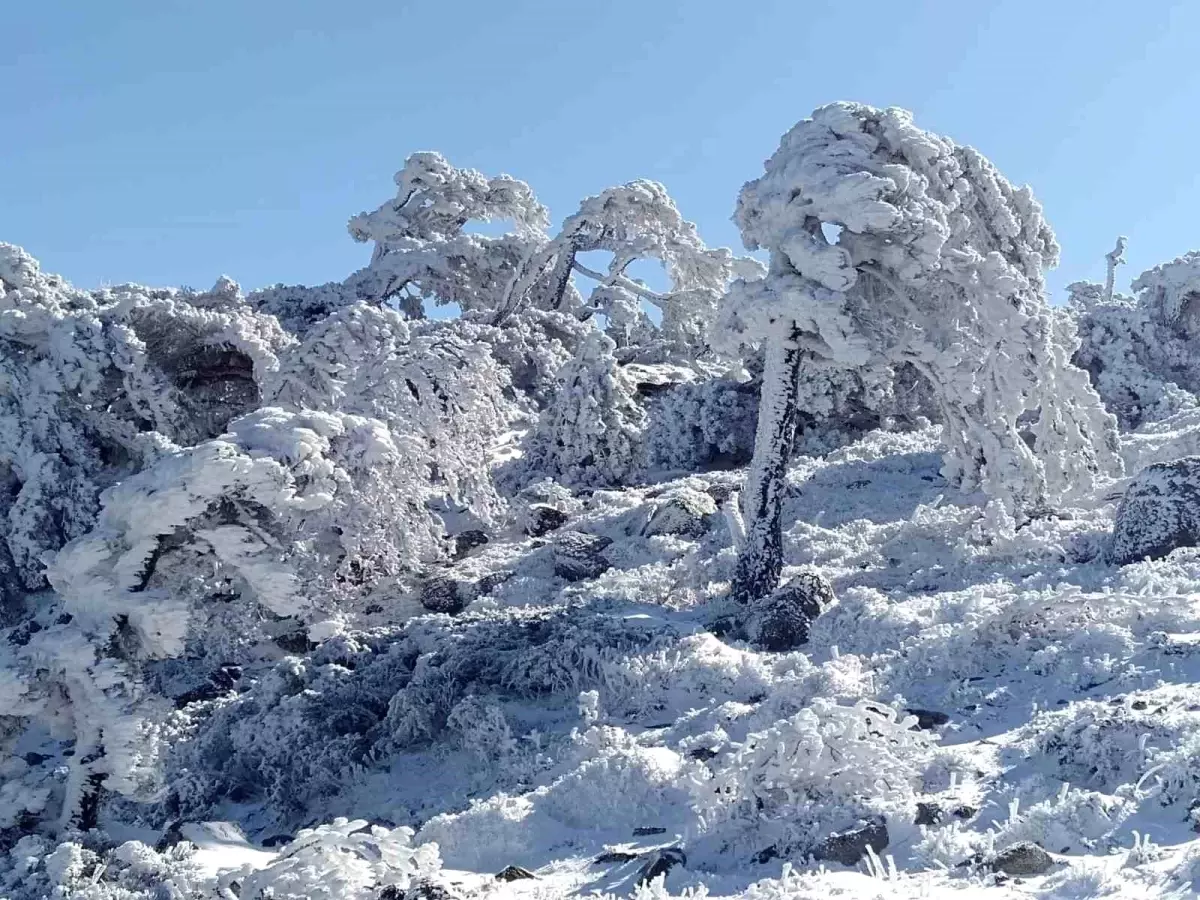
553 722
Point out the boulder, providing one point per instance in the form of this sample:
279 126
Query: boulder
541 519
513 873
848 847
683 511
928 719
577 555
490 582
466 541
660 862
441 594
1022 859
781 621
1159 512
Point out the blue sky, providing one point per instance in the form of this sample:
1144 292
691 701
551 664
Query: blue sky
170 142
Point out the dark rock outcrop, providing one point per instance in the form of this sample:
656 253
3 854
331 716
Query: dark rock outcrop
848 847
781 622
1159 512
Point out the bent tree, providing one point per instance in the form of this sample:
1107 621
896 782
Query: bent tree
893 246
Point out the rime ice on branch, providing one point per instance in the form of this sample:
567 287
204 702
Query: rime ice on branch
893 245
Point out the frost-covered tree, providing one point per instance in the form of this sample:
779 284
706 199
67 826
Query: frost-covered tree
96 384
891 245
590 435
277 519
1140 351
437 383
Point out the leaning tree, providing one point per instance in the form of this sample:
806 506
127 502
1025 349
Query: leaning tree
891 245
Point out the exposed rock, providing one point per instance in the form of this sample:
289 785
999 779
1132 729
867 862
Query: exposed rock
421 890
1024 858
683 511
660 862
781 622
848 847
466 541
441 594
577 555
615 856
647 830
541 519
276 840
928 814
489 583
294 642
928 719
1159 512
513 873
703 754
720 492
765 855
931 813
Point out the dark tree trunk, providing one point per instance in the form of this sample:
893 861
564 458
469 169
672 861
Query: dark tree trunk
761 560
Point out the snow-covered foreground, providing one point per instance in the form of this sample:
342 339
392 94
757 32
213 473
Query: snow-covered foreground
580 729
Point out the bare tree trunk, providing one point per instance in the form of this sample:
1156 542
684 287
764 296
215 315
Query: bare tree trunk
761 560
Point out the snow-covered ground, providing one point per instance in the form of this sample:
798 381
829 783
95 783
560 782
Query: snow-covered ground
579 729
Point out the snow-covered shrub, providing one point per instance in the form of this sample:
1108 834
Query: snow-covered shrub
591 433
1149 736
821 770
130 871
700 425
1139 351
343 860
433 383
1072 821
96 384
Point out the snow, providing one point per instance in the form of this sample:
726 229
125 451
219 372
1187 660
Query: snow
219 512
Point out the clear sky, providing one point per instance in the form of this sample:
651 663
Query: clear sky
169 142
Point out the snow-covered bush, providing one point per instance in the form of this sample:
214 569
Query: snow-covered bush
700 425
591 433
1140 351
825 768
343 860
96 384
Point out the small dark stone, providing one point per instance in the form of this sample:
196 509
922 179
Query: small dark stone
1159 512
426 890
703 754
543 519
170 837
442 595
720 492
647 830
294 642
577 555
1024 858
391 892
685 512
928 719
489 583
661 862
199 694
764 856
276 840
466 541
781 622
848 847
513 873
614 856
963 812
928 814
226 676
374 609
35 759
